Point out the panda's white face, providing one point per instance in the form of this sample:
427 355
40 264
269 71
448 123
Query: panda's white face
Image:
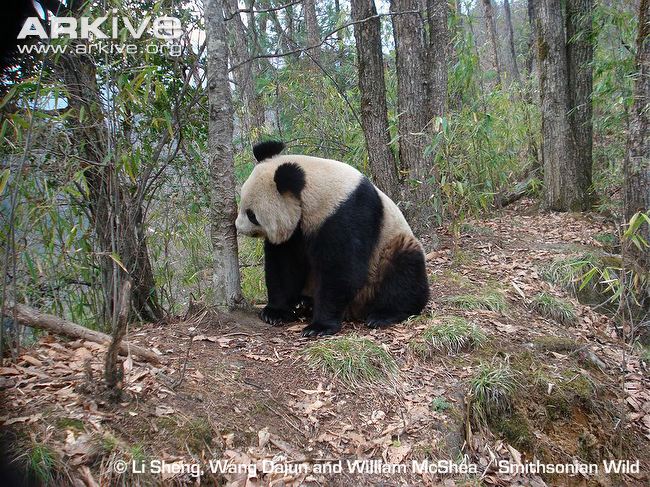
263 211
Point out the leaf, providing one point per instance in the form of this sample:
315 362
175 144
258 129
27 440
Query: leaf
116 259
4 177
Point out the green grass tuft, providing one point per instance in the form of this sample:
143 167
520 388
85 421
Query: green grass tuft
440 404
42 463
554 308
490 299
491 391
352 359
569 271
451 335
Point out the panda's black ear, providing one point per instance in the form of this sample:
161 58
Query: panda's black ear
267 149
289 178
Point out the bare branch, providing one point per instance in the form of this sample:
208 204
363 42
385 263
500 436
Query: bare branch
324 39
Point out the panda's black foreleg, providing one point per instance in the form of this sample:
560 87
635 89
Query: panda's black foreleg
285 271
330 301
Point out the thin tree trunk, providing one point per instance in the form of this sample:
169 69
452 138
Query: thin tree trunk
637 158
437 53
491 28
245 74
511 41
226 279
563 179
313 32
580 55
374 116
530 58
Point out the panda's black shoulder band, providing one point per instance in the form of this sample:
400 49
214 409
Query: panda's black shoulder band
265 150
289 178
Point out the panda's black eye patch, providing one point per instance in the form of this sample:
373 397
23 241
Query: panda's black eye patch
251 216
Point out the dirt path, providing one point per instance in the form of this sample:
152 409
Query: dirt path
249 395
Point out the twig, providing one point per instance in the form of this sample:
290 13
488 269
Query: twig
179 381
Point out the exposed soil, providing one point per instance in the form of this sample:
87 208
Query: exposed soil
249 395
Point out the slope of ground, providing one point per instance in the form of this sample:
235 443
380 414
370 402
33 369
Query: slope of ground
231 388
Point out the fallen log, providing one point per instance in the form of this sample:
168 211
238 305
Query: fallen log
520 189
26 315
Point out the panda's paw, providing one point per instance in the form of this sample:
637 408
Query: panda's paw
304 309
381 321
276 317
321 329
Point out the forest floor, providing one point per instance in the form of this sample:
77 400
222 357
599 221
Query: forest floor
250 396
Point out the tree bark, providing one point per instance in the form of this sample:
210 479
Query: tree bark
226 279
413 79
580 55
437 53
32 317
563 176
374 116
511 41
637 158
313 32
491 29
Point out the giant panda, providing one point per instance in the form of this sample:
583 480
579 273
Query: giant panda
332 235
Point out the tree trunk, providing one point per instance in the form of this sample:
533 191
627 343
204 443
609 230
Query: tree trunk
563 178
437 53
226 279
637 158
511 41
530 58
414 114
118 219
245 74
491 29
580 55
374 116
313 33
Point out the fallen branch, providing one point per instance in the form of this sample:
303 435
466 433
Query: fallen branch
34 318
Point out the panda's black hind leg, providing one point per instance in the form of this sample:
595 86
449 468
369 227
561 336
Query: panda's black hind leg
404 289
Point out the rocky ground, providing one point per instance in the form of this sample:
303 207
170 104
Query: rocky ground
230 388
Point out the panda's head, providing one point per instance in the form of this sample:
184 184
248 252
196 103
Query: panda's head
270 198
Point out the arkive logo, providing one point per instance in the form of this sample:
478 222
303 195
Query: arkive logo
101 27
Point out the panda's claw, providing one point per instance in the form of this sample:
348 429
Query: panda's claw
319 330
276 317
